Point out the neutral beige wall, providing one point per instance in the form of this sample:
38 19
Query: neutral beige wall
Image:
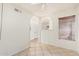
15 30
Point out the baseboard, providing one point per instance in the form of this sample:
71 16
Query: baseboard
58 46
13 54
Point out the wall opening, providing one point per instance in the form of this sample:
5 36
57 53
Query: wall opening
66 28
34 28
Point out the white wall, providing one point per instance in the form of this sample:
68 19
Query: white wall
77 29
0 19
15 30
51 37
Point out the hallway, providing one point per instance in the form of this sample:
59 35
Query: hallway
40 49
54 30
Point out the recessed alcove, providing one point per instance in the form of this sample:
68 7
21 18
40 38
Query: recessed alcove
66 28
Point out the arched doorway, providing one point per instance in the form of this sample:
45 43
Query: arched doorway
46 23
35 28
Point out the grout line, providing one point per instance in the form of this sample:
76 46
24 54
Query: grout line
41 49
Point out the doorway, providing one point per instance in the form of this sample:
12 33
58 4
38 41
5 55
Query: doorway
35 28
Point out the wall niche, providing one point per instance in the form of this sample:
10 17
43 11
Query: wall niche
66 28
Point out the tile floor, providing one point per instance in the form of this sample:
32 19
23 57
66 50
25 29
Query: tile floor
40 49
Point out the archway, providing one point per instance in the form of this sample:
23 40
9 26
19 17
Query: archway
35 28
46 23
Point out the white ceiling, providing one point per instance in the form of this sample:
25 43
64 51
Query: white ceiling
42 8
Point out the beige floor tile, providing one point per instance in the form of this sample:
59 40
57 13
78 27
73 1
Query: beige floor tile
40 49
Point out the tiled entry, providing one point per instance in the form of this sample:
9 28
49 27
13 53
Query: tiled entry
40 49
